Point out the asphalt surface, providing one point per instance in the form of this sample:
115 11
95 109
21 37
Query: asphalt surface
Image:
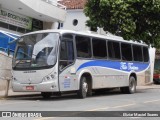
146 99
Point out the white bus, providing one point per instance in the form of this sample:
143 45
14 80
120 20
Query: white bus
58 61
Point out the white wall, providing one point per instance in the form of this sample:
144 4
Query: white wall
5 69
80 16
48 12
75 14
152 52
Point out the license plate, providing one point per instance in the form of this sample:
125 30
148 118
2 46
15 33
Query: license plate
29 87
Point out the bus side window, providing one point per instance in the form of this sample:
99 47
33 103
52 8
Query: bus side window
145 54
137 53
99 48
66 54
114 50
126 52
83 46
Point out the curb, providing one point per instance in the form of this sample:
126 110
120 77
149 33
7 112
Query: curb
12 94
151 86
28 95
146 88
15 96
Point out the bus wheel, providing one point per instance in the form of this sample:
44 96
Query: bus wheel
82 92
46 95
132 86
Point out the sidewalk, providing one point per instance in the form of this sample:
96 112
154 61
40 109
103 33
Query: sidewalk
12 94
15 94
151 86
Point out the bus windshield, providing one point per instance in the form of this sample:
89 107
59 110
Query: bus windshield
36 51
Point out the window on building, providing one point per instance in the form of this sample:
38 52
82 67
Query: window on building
75 22
126 51
137 53
99 48
36 25
12 27
83 46
145 54
27 31
4 25
114 50
61 24
21 30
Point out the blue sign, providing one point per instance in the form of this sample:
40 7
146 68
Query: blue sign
5 38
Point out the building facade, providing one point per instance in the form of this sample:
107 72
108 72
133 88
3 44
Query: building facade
22 16
75 19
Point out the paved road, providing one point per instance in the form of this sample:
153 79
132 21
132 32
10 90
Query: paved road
143 100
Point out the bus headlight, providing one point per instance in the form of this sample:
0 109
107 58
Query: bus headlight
52 76
48 78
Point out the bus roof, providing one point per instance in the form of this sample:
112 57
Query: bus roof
108 36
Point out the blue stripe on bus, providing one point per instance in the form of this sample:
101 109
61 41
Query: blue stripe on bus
123 66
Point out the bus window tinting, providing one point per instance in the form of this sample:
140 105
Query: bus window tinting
126 52
67 51
99 48
63 54
145 54
83 46
137 53
114 50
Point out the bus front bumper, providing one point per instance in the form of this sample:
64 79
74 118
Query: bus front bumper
41 87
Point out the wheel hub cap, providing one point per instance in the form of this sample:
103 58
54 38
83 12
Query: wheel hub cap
85 86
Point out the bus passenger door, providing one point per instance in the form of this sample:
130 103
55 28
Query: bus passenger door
66 79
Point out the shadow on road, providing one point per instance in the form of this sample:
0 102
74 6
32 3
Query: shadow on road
71 96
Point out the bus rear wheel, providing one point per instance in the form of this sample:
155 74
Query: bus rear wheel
131 88
46 95
82 92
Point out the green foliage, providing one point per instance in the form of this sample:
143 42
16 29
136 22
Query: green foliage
131 19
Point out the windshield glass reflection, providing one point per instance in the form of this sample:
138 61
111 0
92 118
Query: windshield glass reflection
36 50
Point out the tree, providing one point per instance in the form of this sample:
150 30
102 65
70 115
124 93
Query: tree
137 20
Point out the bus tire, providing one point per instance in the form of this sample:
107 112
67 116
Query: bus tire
131 88
46 95
132 85
82 92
